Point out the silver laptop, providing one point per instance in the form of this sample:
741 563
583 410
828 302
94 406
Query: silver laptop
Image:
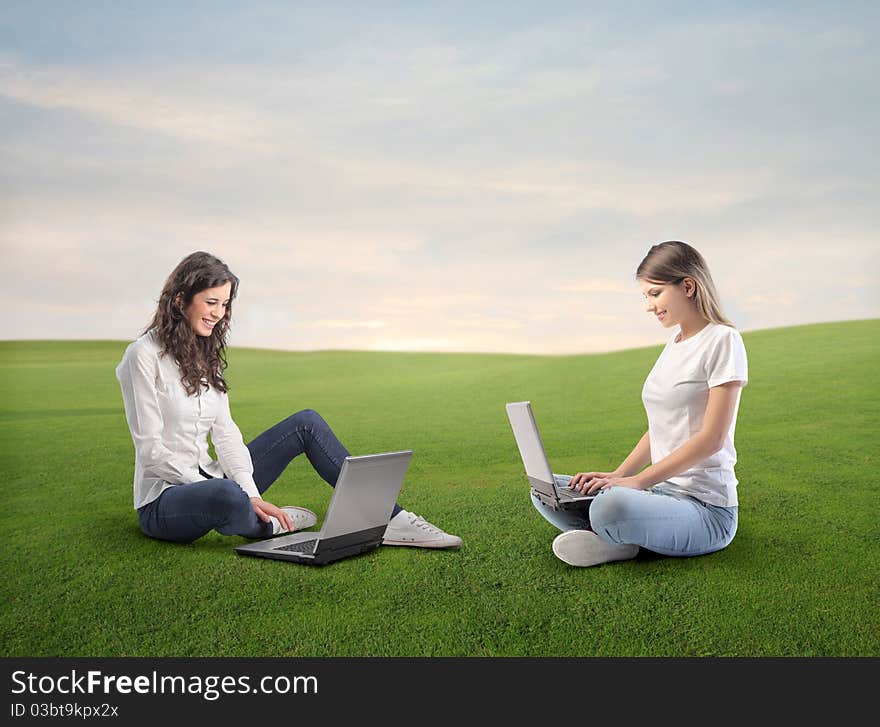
357 516
551 489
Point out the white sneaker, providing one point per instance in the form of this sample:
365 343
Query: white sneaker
585 548
407 528
301 517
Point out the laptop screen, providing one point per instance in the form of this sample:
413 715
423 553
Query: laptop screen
531 448
365 493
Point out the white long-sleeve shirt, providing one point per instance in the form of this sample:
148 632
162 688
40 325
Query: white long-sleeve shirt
170 429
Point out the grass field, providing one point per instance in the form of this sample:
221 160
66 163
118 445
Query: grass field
800 578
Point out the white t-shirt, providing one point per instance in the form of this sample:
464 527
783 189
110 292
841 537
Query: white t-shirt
170 428
675 396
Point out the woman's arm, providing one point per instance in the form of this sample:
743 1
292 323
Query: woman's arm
235 458
137 377
233 455
635 460
705 443
716 423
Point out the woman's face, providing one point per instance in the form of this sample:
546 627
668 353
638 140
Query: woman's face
207 308
670 302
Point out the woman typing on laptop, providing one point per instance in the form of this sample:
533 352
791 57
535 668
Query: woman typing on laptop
675 494
175 394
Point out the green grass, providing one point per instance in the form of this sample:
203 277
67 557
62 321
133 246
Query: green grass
800 578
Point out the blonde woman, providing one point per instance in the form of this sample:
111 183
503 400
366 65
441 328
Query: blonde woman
675 493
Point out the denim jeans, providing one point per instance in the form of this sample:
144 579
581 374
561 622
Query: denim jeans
663 522
183 513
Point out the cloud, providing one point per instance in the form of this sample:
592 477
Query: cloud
171 102
187 102
370 325
416 344
596 286
776 298
437 182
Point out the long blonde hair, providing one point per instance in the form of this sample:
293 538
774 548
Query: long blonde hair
672 262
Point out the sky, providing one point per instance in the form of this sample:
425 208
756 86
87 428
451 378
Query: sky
420 176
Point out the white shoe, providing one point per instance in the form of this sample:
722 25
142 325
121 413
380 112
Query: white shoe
407 528
585 548
301 517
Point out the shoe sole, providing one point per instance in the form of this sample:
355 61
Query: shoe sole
435 544
601 553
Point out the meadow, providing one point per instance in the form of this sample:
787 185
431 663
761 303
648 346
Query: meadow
800 578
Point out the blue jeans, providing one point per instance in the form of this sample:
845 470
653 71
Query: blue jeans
663 522
183 513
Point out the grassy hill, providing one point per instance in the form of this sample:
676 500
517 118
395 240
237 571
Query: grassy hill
800 578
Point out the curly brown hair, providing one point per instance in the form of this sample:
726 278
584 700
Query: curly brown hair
201 359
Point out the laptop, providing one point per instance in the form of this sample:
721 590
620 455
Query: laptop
359 511
551 489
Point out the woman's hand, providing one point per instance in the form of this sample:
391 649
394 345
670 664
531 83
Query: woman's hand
582 480
603 483
589 483
266 509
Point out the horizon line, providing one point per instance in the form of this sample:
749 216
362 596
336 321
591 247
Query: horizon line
431 351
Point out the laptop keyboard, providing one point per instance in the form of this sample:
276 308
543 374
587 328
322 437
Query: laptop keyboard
304 546
565 492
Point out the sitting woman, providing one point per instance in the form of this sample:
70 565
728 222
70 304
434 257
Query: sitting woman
175 395
675 494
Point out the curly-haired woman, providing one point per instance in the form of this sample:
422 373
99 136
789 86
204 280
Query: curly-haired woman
175 396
